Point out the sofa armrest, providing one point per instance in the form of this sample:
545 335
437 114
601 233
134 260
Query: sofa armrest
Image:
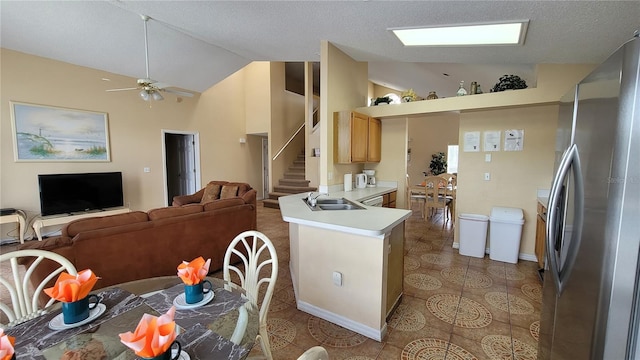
250 197
188 199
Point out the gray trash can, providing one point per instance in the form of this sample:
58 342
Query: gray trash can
505 232
473 234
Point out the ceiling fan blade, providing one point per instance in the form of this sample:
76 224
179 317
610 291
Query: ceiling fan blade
160 85
124 89
181 93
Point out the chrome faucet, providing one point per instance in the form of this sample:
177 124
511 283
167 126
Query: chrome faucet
311 200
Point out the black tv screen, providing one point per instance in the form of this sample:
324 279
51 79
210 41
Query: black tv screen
70 193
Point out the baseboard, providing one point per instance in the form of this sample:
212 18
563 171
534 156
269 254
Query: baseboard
521 256
375 334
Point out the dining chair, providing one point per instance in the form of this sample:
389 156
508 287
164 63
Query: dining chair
260 263
315 353
416 193
435 190
25 295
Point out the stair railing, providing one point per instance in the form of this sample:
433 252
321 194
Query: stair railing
291 138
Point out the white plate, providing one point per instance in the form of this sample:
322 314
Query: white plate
183 354
181 303
57 323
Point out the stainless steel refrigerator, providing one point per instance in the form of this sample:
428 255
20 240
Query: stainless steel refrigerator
591 290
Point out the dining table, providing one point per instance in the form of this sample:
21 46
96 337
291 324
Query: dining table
225 327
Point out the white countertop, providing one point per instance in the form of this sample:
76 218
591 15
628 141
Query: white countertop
371 221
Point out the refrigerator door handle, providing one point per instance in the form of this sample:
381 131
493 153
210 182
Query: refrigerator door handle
561 272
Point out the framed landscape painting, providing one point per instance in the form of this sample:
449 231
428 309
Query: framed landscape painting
47 133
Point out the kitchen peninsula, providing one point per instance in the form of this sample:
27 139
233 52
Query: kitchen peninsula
346 265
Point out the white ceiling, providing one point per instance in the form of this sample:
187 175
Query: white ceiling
195 44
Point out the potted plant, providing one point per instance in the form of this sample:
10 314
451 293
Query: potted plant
380 100
438 164
509 82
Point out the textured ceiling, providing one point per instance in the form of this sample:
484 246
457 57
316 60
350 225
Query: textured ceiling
195 44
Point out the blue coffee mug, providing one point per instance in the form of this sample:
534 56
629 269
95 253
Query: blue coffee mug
167 354
195 293
73 312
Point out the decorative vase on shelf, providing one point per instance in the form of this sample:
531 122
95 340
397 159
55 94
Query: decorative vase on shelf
461 90
432 95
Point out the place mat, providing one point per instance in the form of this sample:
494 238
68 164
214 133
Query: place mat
202 343
34 335
223 302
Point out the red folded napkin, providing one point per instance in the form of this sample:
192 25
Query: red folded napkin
6 346
153 335
194 272
70 288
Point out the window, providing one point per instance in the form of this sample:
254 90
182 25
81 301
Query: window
452 159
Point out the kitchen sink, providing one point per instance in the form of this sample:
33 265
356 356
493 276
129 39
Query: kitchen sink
333 204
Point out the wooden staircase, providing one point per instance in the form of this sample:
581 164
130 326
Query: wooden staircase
293 183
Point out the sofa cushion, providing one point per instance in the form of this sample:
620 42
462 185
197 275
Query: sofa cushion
229 191
223 203
77 226
211 193
166 212
242 187
48 244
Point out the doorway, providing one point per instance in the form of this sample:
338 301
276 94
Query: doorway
181 156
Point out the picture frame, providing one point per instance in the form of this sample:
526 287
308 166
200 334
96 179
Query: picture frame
43 133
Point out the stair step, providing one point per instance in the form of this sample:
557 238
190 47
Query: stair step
293 189
296 168
294 175
294 182
276 195
270 203
299 162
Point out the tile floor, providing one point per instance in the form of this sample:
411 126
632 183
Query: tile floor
453 307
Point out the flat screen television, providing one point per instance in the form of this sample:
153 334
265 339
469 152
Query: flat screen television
72 193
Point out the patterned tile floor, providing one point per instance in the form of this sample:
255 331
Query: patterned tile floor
453 307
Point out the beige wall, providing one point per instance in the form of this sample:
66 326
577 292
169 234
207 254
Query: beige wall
515 175
343 86
428 135
258 97
135 128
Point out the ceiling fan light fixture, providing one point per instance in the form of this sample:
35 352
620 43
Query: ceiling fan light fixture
502 33
157 96
144 94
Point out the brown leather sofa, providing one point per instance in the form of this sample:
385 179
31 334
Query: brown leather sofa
138 245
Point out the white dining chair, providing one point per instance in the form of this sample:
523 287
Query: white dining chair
260 266
315 353
416 193
24 295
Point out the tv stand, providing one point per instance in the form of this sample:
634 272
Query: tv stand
67 218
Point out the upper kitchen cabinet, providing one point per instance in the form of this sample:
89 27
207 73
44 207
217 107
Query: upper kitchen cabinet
357 137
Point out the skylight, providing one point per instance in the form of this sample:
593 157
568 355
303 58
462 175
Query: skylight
512 33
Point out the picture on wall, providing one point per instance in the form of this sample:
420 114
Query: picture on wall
48 133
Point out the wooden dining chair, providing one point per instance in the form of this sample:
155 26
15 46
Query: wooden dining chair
23 294
416 193
260 266
315 353
435 190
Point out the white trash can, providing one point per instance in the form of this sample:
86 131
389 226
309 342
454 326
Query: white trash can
505 232
473 234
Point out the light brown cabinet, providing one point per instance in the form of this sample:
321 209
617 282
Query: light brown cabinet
541 234
357 137
389 199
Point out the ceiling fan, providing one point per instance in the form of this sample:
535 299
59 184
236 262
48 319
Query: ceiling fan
149 88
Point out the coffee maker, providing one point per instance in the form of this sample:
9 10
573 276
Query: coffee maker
371 179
